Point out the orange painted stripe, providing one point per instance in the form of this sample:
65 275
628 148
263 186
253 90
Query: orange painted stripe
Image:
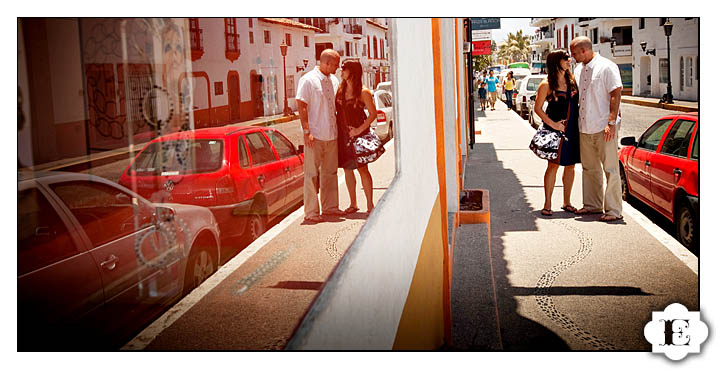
441 167
459 57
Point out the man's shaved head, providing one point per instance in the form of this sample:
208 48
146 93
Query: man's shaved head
581 49
329 61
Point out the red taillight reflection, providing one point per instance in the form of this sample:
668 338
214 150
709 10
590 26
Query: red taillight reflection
380 116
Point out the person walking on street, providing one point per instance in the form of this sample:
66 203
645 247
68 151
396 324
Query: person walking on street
317 113
491 83
352 98
599 85
509 83
482 95
561 91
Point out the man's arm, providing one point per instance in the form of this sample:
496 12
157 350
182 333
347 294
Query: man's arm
304 121
610 130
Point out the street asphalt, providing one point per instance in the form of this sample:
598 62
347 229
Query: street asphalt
563 282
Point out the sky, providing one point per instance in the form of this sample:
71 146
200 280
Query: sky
512 25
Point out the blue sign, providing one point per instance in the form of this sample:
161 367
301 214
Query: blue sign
485 23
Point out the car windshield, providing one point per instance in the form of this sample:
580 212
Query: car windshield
533 83
180 157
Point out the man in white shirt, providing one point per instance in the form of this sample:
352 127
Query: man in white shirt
599 85
317 114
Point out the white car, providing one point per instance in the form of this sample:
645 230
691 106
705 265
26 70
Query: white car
527 89
533 118
96 260
383 125
384 86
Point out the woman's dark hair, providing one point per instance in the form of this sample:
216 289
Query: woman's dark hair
355 73
553 66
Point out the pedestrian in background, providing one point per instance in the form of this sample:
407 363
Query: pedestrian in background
561 115
599 84
509 83
317 113
491 83
352 98
482 95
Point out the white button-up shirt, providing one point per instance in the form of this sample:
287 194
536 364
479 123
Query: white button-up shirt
318 91
596 80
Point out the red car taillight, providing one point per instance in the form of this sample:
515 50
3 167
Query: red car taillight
380 116
524 99
515 94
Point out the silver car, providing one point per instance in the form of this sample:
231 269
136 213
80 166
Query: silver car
97 261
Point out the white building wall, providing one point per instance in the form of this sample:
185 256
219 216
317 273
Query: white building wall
361 305
684 44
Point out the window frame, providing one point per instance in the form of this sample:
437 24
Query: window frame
672 133
654 127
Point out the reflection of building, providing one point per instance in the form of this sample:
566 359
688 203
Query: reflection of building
362 38
650 74
97 84
239 82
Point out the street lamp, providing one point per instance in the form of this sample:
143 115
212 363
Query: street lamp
283 49
668 29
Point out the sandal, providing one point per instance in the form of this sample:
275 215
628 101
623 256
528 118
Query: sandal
313 219
610 218
569 208
350 210
584 211
547 212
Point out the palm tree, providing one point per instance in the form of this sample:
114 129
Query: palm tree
516 48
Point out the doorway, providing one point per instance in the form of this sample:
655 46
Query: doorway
255 81
234 96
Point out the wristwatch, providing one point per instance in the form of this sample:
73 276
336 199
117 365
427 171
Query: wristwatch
306 131
612 123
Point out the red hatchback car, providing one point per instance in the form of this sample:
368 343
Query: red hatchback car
661 170
245 175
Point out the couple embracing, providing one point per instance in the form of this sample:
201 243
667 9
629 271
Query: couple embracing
584 107
336 134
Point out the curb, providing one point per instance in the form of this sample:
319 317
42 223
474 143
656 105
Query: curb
657 104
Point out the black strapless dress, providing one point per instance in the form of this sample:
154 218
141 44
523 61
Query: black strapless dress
557 110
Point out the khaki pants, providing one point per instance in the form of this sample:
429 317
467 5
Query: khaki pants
599 157
321 158
492 97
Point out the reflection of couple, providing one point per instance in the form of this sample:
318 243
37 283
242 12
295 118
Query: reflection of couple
336 132
585 108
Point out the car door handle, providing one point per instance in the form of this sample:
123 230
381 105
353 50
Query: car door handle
260 179
110 263
677 172
648 163
287 169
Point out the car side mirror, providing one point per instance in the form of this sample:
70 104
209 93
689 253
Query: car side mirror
300 149
533 97
628 141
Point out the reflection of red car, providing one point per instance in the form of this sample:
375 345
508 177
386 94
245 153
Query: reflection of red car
661 170
245 175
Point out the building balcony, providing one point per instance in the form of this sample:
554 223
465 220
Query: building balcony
540 22
542 38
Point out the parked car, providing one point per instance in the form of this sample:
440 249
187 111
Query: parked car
246 176
527 89
384 86
661 170
95 260
384 122
533 118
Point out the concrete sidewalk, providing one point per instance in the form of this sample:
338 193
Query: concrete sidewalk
528 282
257 299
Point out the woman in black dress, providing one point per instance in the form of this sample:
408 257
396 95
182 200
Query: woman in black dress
561 92
357 147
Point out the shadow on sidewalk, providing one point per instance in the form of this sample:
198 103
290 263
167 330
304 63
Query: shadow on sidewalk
475 324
